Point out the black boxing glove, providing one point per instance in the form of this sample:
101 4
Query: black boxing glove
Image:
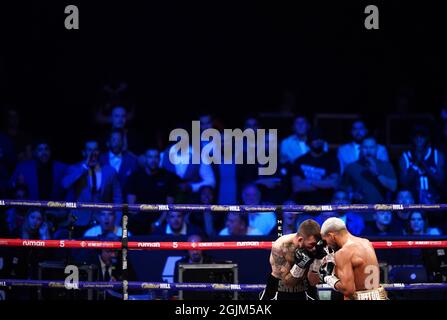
322 250
302 261
327 275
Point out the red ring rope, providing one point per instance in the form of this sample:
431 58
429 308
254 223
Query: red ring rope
233 245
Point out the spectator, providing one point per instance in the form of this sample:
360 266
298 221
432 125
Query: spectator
350 152
369 179
300 216
315 175
113 93
422 168
295 145
289 222
246 172
192 256
382 225
42 175
118 119
275 188
418 225
107 224
262 221
176 226
15 216
403 197
34 226
153 185
206 121
352 220
226 174
124 162
252 123
207 220
194 176
89 181
109 268
237 225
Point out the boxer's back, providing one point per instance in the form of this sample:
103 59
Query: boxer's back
364 262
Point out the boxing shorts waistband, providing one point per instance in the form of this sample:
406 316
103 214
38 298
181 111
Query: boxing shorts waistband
300 287
372 294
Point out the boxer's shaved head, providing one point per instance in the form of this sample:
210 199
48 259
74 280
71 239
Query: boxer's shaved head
332 230
333 225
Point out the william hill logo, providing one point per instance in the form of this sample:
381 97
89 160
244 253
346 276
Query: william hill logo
383 207
220 208
53 204
312 208
56 285
220 286
148 207
70 205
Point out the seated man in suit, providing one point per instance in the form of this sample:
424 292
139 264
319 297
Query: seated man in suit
193 256
109 266
90 181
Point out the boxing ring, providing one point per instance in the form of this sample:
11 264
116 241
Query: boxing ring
124 245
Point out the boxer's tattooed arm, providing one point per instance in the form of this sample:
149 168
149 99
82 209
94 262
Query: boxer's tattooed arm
288 251
289 248
280 266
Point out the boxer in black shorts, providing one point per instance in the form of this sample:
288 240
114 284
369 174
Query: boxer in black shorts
291 259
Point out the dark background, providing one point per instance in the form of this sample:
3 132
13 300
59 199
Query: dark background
227 57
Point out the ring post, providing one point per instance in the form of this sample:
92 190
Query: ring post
279 221
124 247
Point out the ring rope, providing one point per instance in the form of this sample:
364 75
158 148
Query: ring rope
167 245
124 248
221 208
118 285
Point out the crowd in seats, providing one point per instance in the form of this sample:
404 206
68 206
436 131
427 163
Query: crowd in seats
359 171
116 169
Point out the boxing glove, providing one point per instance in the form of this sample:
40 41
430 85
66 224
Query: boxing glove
302 261
327 274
